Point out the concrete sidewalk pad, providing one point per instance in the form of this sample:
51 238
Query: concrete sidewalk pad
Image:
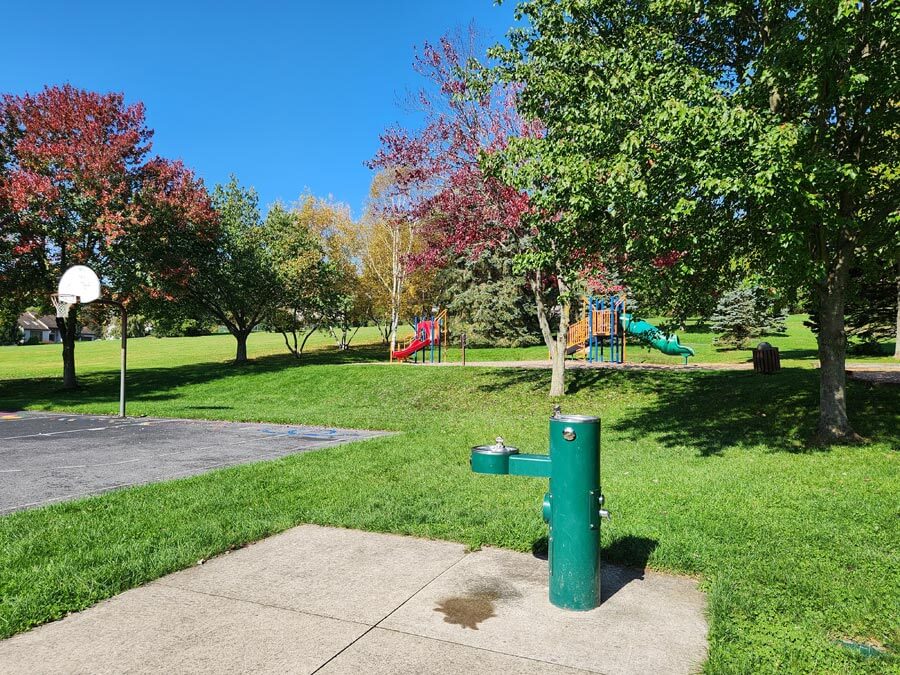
156 629
497 600
316 599
385 652
341 574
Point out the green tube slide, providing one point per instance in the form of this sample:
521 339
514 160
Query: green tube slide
653 336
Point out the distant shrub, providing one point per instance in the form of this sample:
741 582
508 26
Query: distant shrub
181 328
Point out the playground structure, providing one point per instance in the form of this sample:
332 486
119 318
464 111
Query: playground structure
429 338
601 332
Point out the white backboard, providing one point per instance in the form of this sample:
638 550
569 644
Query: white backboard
80 281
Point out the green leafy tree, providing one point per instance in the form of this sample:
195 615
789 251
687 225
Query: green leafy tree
746 312
227 275
310 284
174 326
338 270
683 137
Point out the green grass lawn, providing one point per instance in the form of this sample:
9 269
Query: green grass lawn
706 473
797 347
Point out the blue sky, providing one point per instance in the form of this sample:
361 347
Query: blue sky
288 96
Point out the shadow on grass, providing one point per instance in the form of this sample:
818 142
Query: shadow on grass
711 411
784 354
798 354
160 384
629 551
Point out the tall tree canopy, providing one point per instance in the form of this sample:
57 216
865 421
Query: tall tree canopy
73 184
227 273
462 210
683 137
315 276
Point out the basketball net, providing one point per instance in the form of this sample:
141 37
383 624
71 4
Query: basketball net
63 303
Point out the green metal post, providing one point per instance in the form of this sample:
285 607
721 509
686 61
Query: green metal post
575 505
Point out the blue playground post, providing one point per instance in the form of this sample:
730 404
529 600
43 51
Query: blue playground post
590 308
612 332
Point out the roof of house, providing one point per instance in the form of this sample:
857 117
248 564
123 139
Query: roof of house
30 321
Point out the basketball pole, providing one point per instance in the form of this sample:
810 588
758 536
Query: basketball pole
82 285
123 319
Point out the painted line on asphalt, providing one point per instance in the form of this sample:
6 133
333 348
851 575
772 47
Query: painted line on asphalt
45 434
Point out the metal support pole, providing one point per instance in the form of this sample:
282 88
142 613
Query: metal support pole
602 308
612 332
590 357
124 366
123 362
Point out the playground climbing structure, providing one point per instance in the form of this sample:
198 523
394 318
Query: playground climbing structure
602 332
429 339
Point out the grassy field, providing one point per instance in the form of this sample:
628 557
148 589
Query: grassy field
707 474
797 348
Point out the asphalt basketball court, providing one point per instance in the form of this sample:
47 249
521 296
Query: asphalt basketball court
52 457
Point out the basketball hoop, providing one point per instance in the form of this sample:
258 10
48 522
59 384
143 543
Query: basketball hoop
80 285
63 303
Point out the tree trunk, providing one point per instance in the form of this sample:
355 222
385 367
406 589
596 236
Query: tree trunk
395 322
834 426
241 337
67 330
396 289
557 345
897 330
557 372
558 375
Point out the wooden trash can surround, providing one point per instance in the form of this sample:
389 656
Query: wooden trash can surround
766 359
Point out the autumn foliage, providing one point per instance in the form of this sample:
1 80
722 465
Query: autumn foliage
439 180
77 187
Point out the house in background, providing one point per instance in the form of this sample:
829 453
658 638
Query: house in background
43 329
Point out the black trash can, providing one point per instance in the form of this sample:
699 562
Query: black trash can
766 359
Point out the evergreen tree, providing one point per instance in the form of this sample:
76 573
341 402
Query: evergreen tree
871 311
490 302
9 323
744 313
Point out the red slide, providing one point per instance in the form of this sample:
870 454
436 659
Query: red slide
423 339
414 346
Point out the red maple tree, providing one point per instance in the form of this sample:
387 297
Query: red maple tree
72 166
458 209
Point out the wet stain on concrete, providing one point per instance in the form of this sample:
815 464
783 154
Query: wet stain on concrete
477 605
